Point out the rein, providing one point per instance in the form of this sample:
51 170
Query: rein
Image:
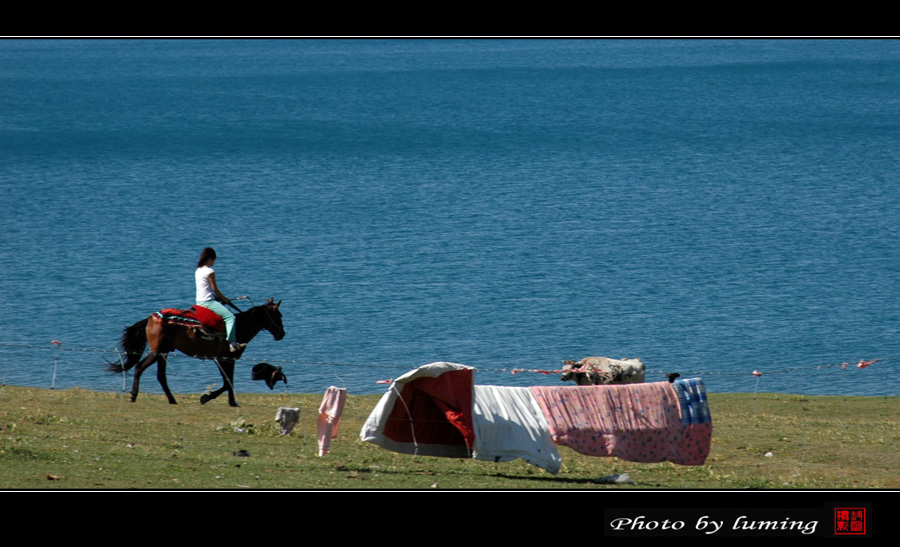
239 310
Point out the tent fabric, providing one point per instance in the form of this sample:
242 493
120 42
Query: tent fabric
427 411
509 424
634 422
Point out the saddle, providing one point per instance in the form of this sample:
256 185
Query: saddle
206 323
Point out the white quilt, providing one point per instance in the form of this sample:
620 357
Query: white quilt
509 424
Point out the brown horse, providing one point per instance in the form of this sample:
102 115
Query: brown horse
163 338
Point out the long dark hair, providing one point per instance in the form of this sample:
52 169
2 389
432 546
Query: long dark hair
207 253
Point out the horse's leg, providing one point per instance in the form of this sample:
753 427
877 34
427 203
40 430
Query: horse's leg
161 376
153 332
138 370
207 398
226 368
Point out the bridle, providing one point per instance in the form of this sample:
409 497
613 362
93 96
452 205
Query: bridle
265 308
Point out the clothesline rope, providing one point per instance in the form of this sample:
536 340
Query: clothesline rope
58 347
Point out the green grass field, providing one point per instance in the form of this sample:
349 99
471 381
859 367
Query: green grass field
79 439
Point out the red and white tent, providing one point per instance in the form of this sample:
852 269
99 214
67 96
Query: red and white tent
427 411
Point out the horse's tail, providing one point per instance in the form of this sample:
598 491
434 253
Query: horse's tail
134 340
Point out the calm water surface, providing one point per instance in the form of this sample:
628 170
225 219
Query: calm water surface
712 207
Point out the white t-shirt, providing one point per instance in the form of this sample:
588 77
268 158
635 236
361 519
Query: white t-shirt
204 287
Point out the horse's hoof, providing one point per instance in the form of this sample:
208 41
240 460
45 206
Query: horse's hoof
234 404
204 399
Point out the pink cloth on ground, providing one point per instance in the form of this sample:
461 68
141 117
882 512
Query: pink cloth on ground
329 419
634 422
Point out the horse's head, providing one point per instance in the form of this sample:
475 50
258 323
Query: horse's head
272 319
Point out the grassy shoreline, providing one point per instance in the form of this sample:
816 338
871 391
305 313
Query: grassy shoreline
81 439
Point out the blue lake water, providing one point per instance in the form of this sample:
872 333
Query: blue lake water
713 207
